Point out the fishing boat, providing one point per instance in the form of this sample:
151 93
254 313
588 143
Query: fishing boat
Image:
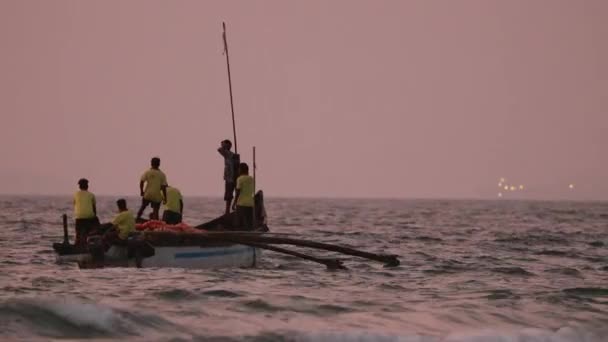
170 249
218 243
214 244
149 249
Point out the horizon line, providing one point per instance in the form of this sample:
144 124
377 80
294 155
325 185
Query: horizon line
338 197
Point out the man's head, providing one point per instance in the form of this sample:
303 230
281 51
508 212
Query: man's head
83 184
243 169
227 144
122 204
155 162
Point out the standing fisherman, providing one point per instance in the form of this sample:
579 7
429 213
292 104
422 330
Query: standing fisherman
156 189
244 202
229 174
85 212
231 160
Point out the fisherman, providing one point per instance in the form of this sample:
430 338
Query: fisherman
122 225
156 187
244 201
174 206
229 178
85 213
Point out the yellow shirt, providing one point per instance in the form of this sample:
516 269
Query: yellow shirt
125 223
83 205
245 185
173 200
154 179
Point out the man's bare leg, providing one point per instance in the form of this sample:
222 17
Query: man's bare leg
228 206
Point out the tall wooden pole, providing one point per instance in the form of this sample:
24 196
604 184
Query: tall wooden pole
229 85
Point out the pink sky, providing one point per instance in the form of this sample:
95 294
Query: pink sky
341 98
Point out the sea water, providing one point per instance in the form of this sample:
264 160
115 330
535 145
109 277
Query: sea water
470 271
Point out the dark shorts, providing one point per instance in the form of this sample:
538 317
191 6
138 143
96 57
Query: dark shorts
86 224
171 217
228 191
111 238
83 228
245 217
154 205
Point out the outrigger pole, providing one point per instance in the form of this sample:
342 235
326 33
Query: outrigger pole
330 263
262 238
389 260
229 85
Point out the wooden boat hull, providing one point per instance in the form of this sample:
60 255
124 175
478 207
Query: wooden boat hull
169 249
193 257
230 221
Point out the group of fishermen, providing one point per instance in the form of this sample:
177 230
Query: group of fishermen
154 191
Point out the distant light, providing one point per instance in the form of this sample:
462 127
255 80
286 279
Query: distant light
507 187
502 180
500 194
500 185
512 188
521 187
571 186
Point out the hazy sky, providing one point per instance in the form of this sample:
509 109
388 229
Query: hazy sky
341 98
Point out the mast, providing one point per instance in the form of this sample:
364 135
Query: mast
229 85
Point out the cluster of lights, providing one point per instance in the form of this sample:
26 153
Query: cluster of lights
503 185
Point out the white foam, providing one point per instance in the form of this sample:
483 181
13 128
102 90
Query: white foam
85 314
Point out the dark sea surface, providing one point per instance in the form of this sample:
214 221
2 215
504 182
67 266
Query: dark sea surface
471 271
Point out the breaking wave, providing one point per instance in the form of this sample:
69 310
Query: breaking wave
71 318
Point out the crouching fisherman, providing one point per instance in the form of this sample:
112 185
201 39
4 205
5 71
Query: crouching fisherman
85 213
174 206
113 233
122 225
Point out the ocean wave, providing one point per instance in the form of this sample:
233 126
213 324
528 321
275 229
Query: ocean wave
502 294
551 252
512 271
221 293
261 305
71 318
449 266
428 238
175 294
587 291
532 239
565 271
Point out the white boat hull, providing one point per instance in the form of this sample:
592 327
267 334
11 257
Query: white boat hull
180 257
203 257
